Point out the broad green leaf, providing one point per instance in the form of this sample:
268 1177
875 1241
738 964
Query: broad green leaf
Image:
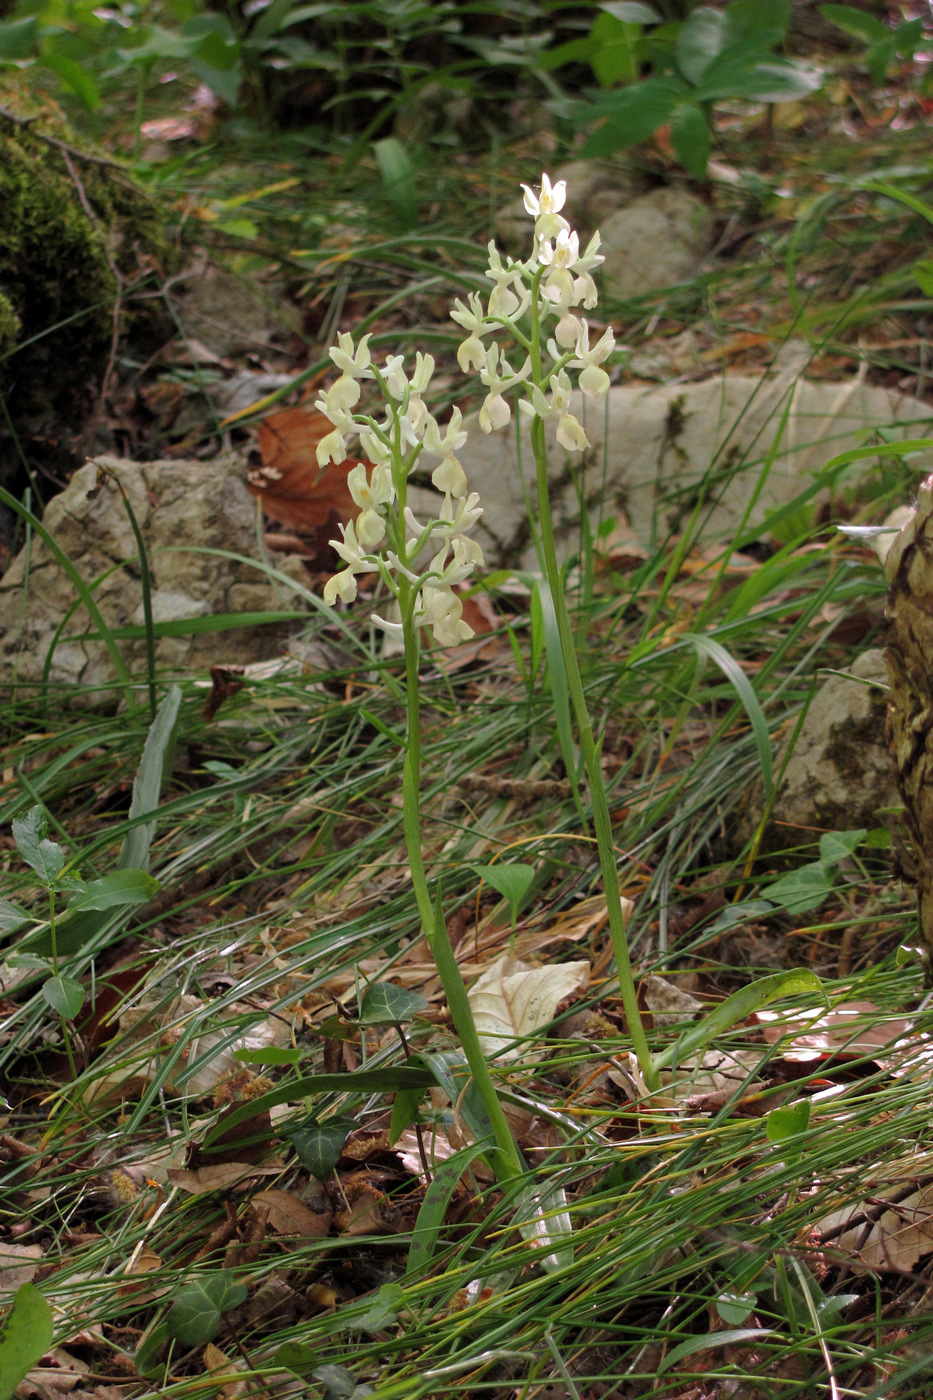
147 785
146 1357
46 857
710 1340
339 1384
449 1070
198 1306
405 1107
544 1223
384 1310
269 1055
734 1308
120 887
157 42
691 139
73 77
771 80
855 22
738 1008
839 845
801 890
319 1144
398 179
615 56
702 36
923 275
433 1209
511 879
385 1004
788 1121
26 1336
512 1001
746 18
634 114
64 995
19 38
360 1081
747 909
631 12
294 1356
12 917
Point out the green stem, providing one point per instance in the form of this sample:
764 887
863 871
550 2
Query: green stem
506 1158
53 940
602 820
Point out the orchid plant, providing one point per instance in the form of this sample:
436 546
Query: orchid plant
535 304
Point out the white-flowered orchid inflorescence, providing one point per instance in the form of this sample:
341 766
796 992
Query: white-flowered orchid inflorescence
536 305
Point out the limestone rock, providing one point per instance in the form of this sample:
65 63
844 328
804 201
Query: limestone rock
659 451
233 315
841 771
182 508
657 241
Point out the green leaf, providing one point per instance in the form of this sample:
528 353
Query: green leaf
634 115
738 913
296 1357
615 56
46 857
511 879
384 1310
120 887
769 80
404 1111
691 139
147 785
923 275
734 1308
64 995
738 1008
544 1223
146 1357
433 1209
319 1144
702 36
710 1340
839 845
632 12
398 179
801 890
269 1055
855 22
746 18
19 38
12 917
198 1306
385 1004
26 1336
73 77
339 1384
745 691
788 1121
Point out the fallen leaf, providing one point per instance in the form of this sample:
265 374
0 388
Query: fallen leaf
511 1001
667 1003
290 485
18 1264
896 1238
220 1178
288 1216
850 1031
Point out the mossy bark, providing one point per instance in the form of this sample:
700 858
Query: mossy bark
909 658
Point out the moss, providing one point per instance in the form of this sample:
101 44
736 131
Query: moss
60 230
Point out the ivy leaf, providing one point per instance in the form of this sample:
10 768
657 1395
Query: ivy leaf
385 1004
319 1145
801 890
46 857
339 1384
64 995
836 846
195 1314
26 1335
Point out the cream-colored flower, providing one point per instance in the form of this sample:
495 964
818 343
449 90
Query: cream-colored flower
331 448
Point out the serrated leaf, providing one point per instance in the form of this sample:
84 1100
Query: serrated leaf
26 1336
801 890
46 857
511 879
198 1306
385 1004
511 1001
64 995
319 1144
117 888
836 846
12 917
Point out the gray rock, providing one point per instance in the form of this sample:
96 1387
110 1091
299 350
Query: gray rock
657 241
841 771
657 452
230 315
183 509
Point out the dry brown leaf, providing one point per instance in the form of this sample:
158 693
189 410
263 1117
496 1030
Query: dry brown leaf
61 1373
849 1031
896 1240
512 1000
18 1264
364 1216
290 485
288 1216
216 1178
224 1370
667 1003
